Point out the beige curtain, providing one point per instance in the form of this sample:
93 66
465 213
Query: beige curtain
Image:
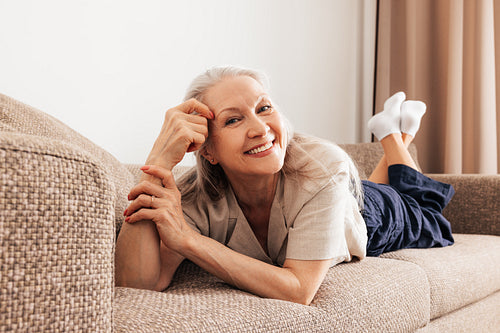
443 53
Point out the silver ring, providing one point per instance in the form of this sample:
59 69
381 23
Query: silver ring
152 199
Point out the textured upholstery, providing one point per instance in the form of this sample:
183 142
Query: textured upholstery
475 272
56 238
59 194
481 317
475 208
21 118
356 295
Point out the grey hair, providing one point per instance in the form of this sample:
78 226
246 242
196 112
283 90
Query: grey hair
202 82
210 180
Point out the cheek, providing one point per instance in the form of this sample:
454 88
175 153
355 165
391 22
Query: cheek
224 146
279 127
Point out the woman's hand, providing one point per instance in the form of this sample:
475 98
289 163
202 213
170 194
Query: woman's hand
160 204
182 132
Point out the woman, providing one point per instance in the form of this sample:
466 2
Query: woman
266 211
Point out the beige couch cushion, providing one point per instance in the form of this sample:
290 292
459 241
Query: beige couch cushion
482 316
475 205
370 295
375 295
21 118
459 274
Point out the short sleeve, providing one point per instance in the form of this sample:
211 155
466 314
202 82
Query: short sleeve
318 231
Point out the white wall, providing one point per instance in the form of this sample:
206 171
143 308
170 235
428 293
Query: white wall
110 69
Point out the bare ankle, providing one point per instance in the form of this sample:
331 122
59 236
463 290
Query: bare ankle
393 138
396 151
407 139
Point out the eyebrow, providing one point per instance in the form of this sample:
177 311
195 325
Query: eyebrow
261 97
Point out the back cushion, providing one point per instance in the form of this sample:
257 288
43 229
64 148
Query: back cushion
367 155
21 118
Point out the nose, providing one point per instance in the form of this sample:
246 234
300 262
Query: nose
257 127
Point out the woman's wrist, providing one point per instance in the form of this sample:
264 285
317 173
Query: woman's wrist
185 244
163 162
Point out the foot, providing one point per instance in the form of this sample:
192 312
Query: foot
388 121
411 115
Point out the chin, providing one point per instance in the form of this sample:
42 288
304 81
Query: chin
269 169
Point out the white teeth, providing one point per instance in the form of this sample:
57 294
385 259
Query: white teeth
261 148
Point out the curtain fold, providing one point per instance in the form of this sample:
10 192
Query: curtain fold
443 53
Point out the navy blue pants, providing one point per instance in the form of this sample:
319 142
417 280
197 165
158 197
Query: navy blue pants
407 212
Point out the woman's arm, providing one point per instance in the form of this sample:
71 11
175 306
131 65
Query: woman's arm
141 261
297 281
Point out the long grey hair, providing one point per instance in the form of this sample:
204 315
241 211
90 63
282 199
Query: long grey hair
210 180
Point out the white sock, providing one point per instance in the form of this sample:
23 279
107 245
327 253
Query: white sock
388 121
411 114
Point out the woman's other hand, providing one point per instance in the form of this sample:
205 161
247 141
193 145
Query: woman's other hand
184 130
160 204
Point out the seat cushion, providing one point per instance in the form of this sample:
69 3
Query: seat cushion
375 295
370 295
459 274
482 316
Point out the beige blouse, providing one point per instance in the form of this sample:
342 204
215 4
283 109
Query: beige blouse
314 216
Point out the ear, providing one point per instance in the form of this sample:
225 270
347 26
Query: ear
207 154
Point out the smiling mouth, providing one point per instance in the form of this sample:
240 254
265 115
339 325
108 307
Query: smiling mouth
261 148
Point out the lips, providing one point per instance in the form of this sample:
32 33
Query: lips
260 149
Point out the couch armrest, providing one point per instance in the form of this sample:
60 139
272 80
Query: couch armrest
476 205
56 237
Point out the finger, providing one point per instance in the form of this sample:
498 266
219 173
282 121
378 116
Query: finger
154 215
394 102
166 176
140 215
198 128
142 201
193 105
197 142
148 188
195 119
191 133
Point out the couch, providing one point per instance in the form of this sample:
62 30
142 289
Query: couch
61 205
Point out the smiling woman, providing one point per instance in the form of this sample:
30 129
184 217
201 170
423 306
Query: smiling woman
231 218
266 210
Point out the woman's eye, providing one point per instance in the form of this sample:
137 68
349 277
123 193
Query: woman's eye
231 121
265 108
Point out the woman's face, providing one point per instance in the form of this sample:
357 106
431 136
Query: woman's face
247 137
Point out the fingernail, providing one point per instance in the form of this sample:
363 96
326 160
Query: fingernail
125 212
212 114
127 219
145 167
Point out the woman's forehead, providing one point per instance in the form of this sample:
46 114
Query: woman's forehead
233 90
